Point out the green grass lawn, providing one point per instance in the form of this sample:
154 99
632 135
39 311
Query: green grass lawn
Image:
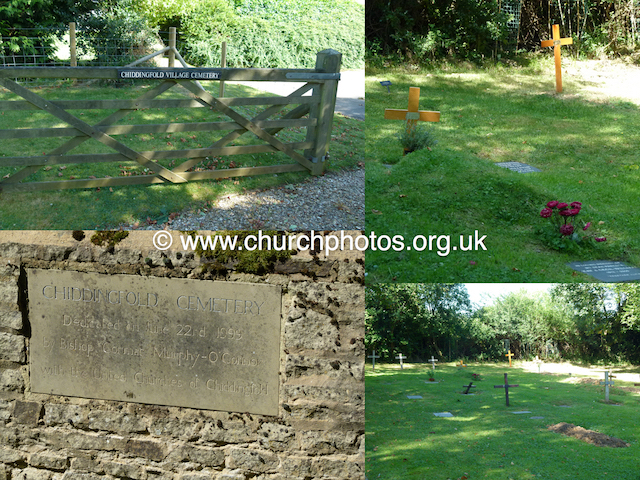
587 151
484 439
109 207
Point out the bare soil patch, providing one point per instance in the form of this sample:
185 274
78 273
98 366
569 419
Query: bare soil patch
589 436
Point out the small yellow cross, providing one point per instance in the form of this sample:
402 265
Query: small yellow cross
556 43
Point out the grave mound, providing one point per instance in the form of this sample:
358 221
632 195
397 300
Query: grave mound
589 436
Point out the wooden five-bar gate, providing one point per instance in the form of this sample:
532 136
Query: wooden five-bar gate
313 112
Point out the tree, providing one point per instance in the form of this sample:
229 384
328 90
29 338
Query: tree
419 319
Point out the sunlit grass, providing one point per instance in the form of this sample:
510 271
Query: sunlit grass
484 439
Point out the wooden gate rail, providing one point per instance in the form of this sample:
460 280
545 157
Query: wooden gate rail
319 106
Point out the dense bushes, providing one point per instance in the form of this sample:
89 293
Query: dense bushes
433 29
274 33
263 33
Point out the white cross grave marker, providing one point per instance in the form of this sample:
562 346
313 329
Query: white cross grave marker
606 384
401 357
373 359
433 362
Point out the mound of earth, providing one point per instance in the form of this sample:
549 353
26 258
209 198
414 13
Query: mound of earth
589 436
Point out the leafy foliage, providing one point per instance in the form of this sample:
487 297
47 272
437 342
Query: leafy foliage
273 33
587 322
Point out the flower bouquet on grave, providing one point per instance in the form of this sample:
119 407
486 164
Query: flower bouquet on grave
565 230
476 377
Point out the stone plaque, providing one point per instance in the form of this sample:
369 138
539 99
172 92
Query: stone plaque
607 271
166 341
518 167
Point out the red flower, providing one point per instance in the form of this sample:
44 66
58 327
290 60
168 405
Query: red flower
552 204
576 204
601 239
546 213
562 206
566 213
586 226
567 230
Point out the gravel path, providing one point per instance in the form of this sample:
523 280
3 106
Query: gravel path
334 201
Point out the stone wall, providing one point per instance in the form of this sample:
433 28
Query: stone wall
318 432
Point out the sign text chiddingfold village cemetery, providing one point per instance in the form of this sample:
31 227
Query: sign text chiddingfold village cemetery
165 341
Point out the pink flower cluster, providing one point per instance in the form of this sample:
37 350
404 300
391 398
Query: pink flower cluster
568 212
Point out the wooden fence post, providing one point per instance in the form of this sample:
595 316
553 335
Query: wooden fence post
72 44
172 47
327 61
223 64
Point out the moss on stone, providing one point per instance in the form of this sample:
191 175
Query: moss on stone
109 237
255 261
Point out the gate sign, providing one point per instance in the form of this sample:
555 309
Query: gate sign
169 73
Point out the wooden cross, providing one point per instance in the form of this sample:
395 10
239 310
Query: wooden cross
509 355
471 385
401 357
412 114
373 359
433 362
606 384
556 43
506 387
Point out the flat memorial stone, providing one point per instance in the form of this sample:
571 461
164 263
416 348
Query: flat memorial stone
521 412
164 341
443 414
414 397
536 418
607 271
518 167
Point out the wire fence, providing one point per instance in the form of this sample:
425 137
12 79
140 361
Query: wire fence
55 48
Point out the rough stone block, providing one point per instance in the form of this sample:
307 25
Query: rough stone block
146 449
123 470
11 318
12 348
51 462
11 380
9 291
27 413
31 474
255 461
311 330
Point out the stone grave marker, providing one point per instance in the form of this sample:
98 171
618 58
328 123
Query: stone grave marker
443 414
536 418
468 387
412 115
607 382
401 358
414 397
433 362
373 360
518 167
164 341
607 271
556 43
506 387
509 355
521 412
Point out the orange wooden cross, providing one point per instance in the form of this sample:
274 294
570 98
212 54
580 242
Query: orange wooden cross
509 355
556 43
412 114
